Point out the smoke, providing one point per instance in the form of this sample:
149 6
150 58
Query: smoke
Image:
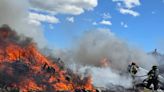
103 76
160 45
15 14
94 45
7 33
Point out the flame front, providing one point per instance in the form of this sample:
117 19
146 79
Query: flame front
23 67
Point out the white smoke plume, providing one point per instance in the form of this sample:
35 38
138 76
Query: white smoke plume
15 14
103 77
97 44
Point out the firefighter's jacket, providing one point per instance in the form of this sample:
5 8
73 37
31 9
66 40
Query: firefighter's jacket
153 74
134 69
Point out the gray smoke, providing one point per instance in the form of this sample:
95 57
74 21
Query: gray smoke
15 14
97 44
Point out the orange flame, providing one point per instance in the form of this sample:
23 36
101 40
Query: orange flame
38 78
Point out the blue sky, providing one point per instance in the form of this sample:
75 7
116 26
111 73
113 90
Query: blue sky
144 30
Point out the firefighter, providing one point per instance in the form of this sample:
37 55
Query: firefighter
153 77
133 69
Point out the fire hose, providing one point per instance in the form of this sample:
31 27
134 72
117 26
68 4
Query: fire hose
141 76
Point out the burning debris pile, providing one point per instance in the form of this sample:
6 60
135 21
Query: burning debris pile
23 68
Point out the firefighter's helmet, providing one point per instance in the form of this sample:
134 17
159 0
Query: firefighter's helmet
133 63
154 67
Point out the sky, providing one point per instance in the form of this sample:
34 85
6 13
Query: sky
139 22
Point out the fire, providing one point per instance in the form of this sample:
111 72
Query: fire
87 85
29 85
22 65
104 62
